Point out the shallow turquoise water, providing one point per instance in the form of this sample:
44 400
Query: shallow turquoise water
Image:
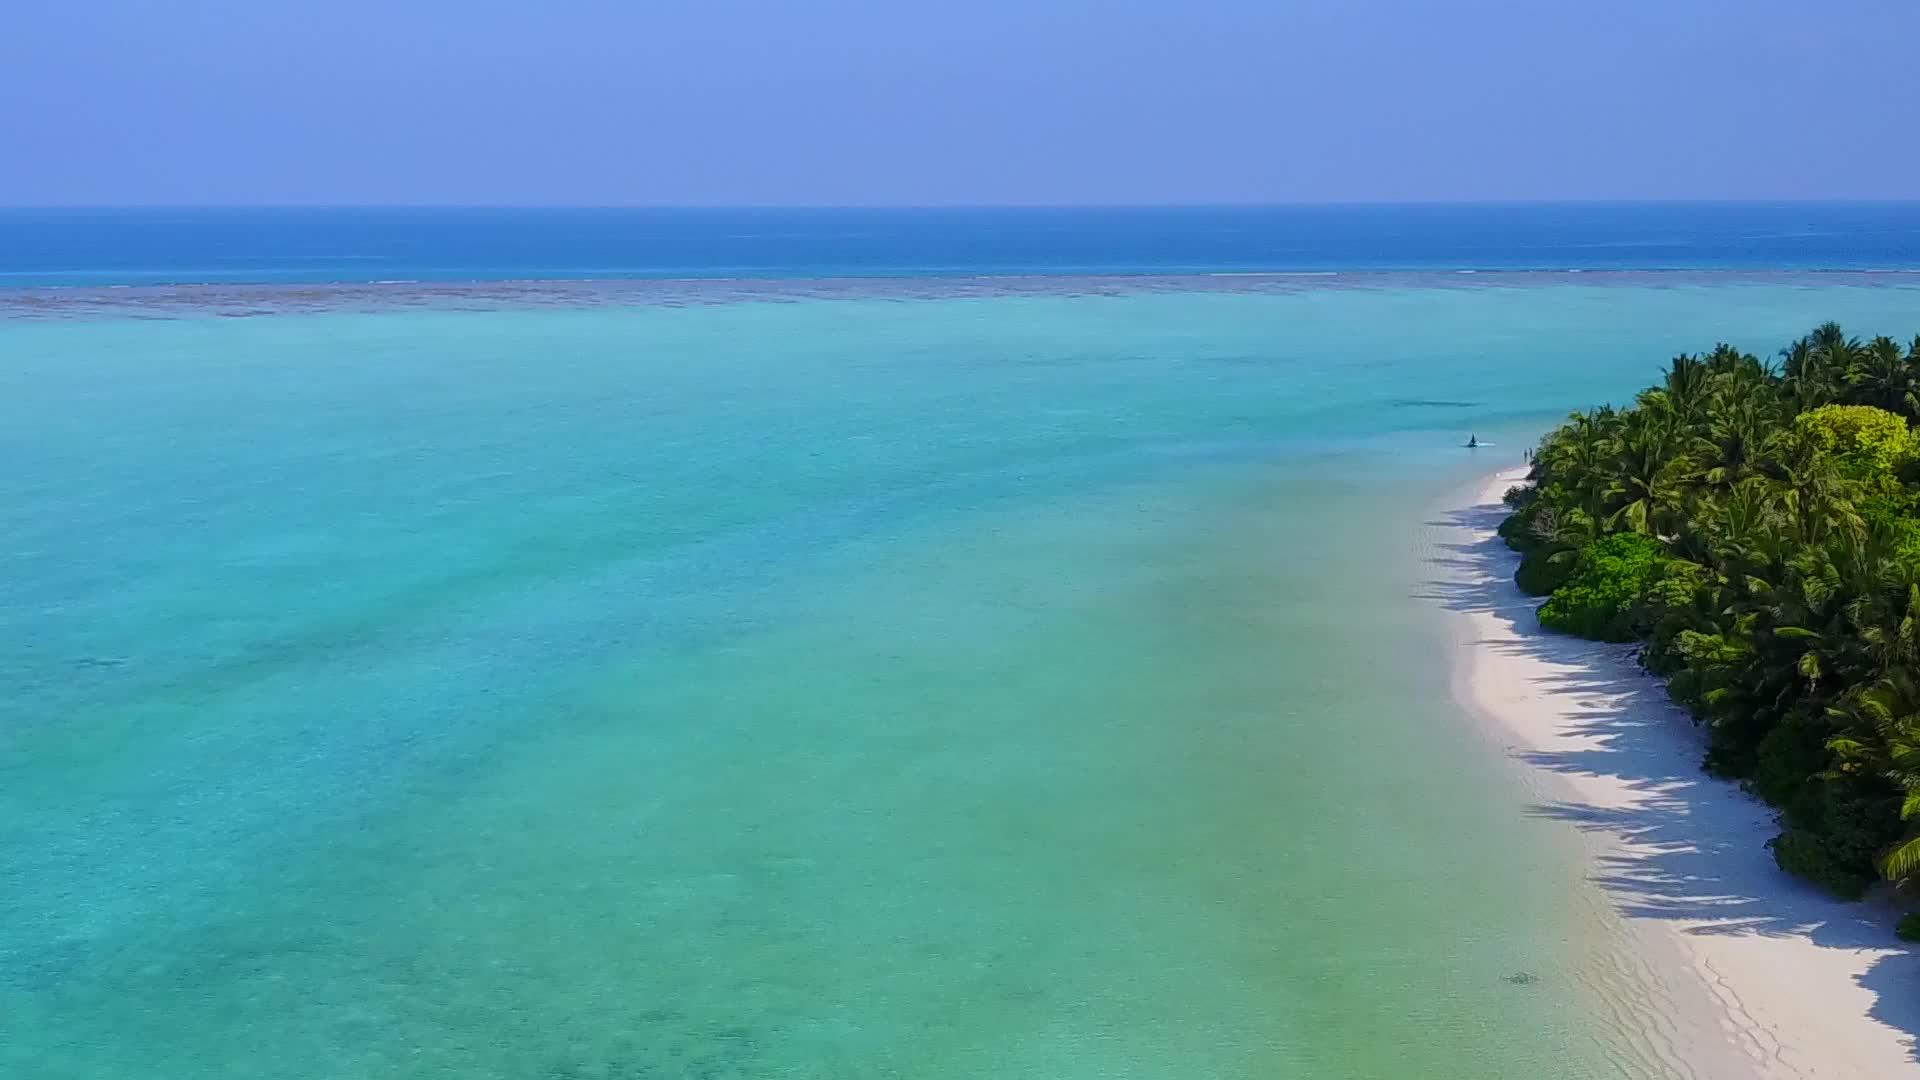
1019 686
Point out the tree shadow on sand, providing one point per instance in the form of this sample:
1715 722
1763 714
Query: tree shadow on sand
1695 846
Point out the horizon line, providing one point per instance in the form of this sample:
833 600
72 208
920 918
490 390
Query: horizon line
903 207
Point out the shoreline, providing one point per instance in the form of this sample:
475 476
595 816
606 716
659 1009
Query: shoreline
1741 970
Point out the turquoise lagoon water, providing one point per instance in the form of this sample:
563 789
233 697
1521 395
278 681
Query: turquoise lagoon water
1015 685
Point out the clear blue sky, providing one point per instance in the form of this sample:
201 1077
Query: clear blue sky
886 102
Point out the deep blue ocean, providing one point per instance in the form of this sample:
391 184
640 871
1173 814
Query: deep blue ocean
192 245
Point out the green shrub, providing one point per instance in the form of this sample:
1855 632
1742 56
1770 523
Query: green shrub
1542 571
1867 442
1790 752
1806 855
1734 731
1861 820
1601 600
1670 607
1672 590
1700 668
1908 928
1836 827
1517 528
1886 506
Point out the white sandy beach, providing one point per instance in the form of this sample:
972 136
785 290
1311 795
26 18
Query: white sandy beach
1726 966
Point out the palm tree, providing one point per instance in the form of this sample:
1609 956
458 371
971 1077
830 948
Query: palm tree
1646 478
1816 366
1579 454
1880 738
1740 527
1811 493
1741 424
1725 361
1881 376
1685 390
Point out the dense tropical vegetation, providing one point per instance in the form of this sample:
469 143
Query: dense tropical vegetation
1754 525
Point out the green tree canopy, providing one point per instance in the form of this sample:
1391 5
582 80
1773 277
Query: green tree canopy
1756 529
1865 441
